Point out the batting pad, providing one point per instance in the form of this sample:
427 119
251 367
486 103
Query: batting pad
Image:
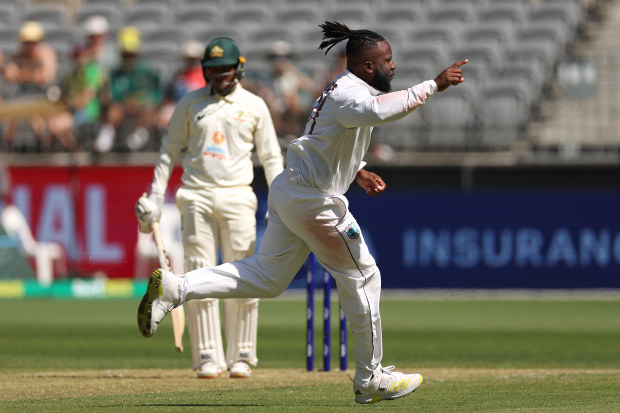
203 323
241 325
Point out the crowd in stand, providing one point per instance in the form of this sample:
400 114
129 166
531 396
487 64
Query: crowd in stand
109 98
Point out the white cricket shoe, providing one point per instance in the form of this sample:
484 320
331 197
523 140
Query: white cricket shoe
209 370
240 370
162 295
386 385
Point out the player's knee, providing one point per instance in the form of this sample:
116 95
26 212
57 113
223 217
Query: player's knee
276 290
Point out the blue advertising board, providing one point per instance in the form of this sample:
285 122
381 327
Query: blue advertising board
479 239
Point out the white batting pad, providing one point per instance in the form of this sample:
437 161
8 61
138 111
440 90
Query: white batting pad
241 325
203 323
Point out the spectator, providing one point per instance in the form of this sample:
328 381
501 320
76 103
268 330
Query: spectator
97 30
292 89
31 71
189 77
135 95
81 92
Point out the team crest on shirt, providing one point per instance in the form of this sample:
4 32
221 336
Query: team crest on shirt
353 231
240 116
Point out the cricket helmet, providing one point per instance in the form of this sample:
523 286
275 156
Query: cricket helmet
222 51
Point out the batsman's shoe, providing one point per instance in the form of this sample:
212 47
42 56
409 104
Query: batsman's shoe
240 370
209 370
162 295
386 385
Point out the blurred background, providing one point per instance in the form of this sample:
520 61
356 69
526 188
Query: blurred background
510 180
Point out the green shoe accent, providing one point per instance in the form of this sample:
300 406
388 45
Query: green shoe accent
154 290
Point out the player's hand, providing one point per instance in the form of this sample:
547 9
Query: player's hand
452 76
370 182
148 210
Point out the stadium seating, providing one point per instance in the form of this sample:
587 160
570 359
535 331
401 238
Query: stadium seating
119 4
257 15
147 15
431 53
167 34
503 113
62 38
516 42
295 15
47 15
456 14
9 17
497 35
510 14
197 17
211 31
421 34
112 13
351 14
401 16
450 119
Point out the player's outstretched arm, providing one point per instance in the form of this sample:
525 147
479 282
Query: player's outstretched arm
452 76
370 182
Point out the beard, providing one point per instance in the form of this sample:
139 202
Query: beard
381 81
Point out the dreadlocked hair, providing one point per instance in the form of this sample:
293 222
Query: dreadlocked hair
334 33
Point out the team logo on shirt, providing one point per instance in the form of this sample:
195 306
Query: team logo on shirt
353 231
239 116
219 137
216 151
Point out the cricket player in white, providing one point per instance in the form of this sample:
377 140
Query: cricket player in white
309 212
219 125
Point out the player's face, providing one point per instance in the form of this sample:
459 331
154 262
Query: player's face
221 78
384 67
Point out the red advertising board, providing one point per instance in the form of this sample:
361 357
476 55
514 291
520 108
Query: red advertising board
89 210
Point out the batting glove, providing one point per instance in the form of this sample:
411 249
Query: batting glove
148 210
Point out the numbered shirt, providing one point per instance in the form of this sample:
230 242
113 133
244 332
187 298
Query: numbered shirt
329 153
219 134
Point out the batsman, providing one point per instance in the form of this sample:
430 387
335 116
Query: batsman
217 127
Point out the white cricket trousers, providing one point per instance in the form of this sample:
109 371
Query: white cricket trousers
303 219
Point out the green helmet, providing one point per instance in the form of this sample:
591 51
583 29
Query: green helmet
222 51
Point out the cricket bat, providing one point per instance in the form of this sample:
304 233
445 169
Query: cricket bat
178 315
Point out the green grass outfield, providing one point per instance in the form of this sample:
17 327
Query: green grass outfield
476 353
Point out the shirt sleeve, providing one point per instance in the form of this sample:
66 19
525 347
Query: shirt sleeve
361 109
172 144
267 145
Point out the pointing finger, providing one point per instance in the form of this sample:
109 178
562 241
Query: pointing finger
461 63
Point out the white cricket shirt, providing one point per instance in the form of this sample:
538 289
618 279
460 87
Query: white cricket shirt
219 134
329 153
